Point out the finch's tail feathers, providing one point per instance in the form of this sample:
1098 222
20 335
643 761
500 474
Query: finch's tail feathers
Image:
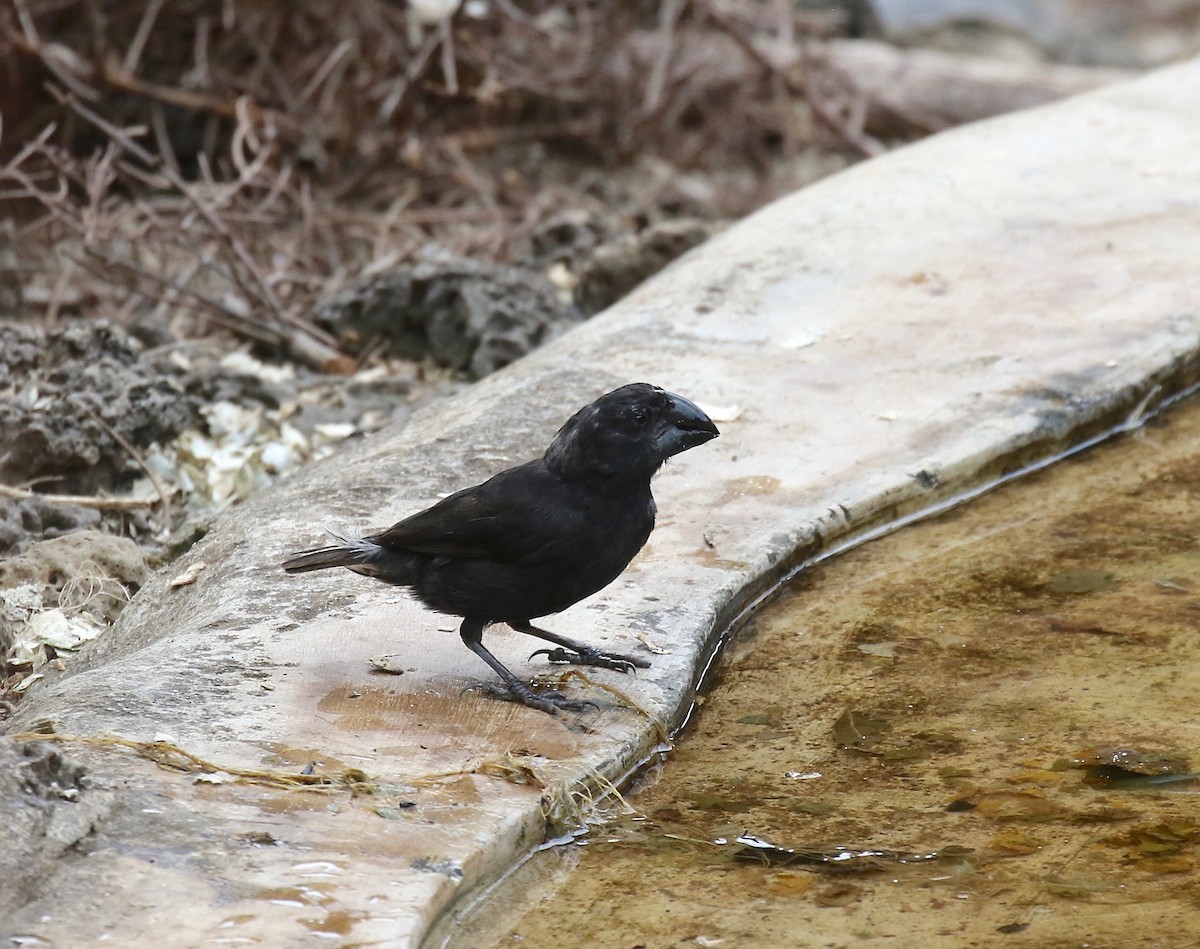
349 551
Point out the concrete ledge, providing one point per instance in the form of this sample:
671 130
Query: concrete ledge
876 343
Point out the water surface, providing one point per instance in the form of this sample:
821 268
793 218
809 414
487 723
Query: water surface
979 730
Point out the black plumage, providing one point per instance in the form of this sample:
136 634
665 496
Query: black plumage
539 537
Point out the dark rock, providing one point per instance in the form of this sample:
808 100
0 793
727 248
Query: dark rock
12 531
216 383
150 330
49 774
619 266
12 292
35 517
470 316
570 236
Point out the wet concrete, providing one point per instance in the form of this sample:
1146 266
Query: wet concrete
870 346
979 729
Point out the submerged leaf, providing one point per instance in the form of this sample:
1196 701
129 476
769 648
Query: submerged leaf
1082 580
852 729
1132 760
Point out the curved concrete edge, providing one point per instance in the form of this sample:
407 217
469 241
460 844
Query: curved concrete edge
880 341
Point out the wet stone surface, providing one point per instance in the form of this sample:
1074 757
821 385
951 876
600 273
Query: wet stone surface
981 728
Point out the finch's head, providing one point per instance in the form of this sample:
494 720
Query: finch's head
628 432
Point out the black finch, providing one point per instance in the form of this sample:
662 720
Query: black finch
539 537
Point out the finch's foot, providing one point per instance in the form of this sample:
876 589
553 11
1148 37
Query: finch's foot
589 656
550 701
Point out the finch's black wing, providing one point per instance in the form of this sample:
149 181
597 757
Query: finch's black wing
523 515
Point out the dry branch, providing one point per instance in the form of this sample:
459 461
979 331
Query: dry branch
793 75
80 500
164 496
238 161
940 90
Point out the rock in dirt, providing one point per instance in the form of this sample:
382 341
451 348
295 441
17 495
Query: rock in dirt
23 518
64 393
109 569
572 235
622 264
470 316
81 404
86 572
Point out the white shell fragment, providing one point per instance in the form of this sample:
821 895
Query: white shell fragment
190 574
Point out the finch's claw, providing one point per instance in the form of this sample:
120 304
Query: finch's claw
558 700
593 657
551 701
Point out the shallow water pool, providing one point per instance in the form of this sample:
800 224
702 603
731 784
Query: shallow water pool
980 730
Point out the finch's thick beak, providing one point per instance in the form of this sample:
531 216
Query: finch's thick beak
685 427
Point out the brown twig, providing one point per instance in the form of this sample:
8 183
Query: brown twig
855 138
80 500
300 345
220 314
121 137
164 496
305 341
170 756
133 54
229 224
668 17
400 86
76 73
